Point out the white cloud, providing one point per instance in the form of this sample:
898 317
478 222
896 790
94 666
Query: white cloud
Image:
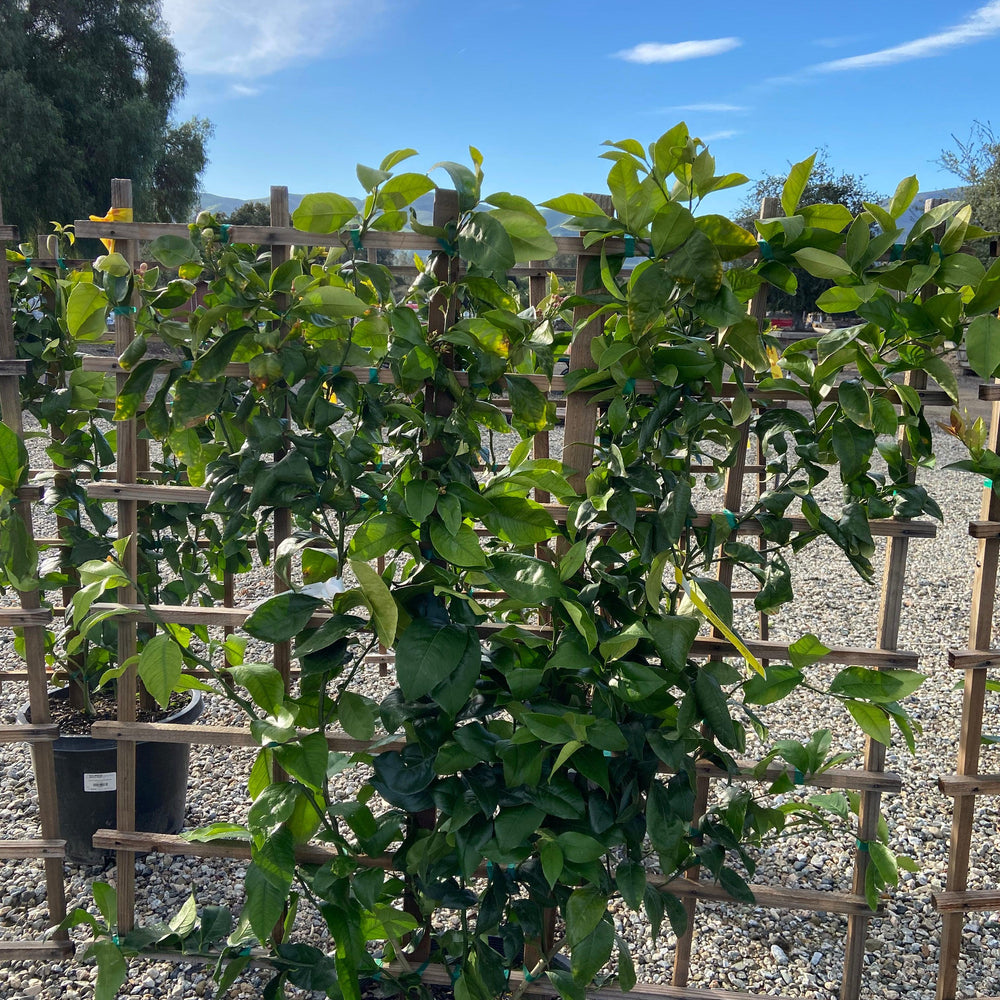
667 52
727 133
254 38
982 23
243 90
708 108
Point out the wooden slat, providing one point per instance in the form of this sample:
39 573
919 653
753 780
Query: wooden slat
973 659
32 848
35 951
148 492
957 785
14 733
776 897
984 529
13 367
836 777
967 901
8 234
24 617
990 392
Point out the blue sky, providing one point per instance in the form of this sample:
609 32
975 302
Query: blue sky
301 90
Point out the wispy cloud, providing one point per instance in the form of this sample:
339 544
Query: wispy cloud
727 133
981 23
708 108
668 52
243 90
254 38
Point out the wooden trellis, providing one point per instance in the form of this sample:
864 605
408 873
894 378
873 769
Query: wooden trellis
967 783
130 491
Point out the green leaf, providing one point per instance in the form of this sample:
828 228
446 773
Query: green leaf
806 650
382 534
333 301
86 312
323 213
265 902
112 970
777 682
881 686
520 521
795 185
531 410
903 196
885 861
485 244
427 653
551 856
583 912
281 617
591 954
839 299
830 217
982 342
673 635
574 204
461 549
630 878
822 263
712 704
672 225
528 580
421 495
160 664
385 613
583 621
263 682
732 241
356 716
13 460
172 251
873 720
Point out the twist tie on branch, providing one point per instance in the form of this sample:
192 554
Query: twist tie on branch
446 247
27 262
730 517
61 263
862 845
765 249
528 977
987 484
896 253
799 778
186 366
936 248
224 233
629 387
373 376
455 972
356 238
378 466
427 553
114 938
629 245
329 369
245 951
124 310
607 753
693 830
423 968
378 975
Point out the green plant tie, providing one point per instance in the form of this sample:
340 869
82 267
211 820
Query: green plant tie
528 977
455 972
423 968
378 466
731 518
124 310
245 952
61 262
693 831
427 553
936 248
862 845
356 238
373 376
629 245
897 251
329 369
987 484
800 778
446 247
629 387
27 262
114 938
186 366
224 233
765 249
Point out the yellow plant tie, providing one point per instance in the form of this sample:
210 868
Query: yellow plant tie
114 215
691 589
772 357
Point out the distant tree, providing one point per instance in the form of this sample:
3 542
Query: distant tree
976 161
250 213
87 88
825 187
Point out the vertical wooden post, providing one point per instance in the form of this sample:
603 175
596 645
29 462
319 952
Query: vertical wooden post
34 635
121 197
890 607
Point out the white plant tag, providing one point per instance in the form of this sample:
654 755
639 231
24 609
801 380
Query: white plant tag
107 782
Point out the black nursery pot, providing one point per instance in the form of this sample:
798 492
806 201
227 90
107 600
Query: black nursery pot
86 783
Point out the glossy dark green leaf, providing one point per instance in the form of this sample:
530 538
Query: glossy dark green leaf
524 578
583 912
281 617
427 653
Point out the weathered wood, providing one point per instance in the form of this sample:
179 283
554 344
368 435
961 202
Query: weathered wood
973 659
8 234
24 617
970 733
147 492
968 901
41 733
814 900
32 849
35 951
990 392
13 367
956 785
984 529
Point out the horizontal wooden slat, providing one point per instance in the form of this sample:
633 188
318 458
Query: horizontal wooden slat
32 848
8 234
836 777
973 659
990 392
22 617
149 492
813 900
713 646
984 529
216 736
32 493
13 367
35 951
14 733
969 901
957 785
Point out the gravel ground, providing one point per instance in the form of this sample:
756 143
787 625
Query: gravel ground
750 948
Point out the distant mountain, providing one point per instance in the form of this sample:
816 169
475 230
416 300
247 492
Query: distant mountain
910 216
423 206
